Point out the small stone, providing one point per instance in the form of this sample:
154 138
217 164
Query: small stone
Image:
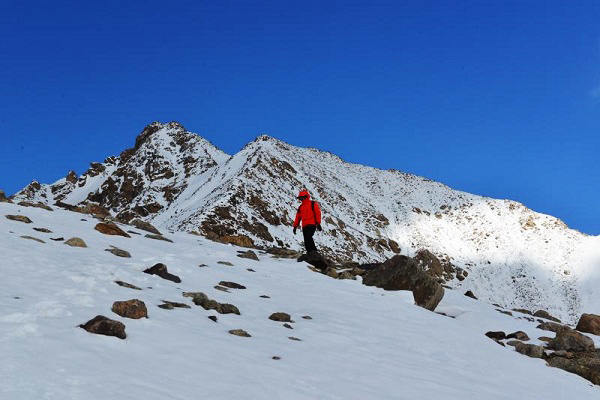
504 312
43 230
127 285
280 317
530 350
546 315
213 318
169 305
58 239
202 266
145 226
307 317
294 338
513 342
288 326
232 285
76 242
239 332
276 358
160 269
249 254
118 252
264 296
134 309
519 335
104 326
250 270
222 288
19 218
33 238
134 232
110 228
225 263
522 310
498 335
158 237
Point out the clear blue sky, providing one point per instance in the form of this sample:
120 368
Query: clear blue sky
497 98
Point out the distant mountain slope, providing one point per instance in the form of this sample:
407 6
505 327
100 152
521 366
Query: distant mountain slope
181 182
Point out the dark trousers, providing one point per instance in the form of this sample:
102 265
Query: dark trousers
308 231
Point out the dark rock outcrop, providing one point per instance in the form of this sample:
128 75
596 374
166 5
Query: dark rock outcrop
249 255
33 238
232 285
202 300
145 226
42 230
160 269
530 350
118 252
19 218
127 285
571 340
134 309
104 326
551 326
546 315
316 260
498 335
519 335
280 317
470 294
110 229
170 305
3 198
586 365
239 332
404 273
589 323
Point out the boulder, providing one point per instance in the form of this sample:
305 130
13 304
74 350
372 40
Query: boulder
118 252
470 294
498 335
519 335
202 300
237 240
587 365
170 305
3 198
109 228
551 326
571 340
36 205
158 237
429 263
134 309
145 226
546 315
589 323
160 269
104 326
225 263
239 332
315 259
94 210
248 254
280 317
403 273
19 218
76 242
530 350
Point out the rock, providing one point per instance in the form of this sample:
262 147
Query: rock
200 299
315 259
104 326
264 296
134 309
276 358
544 314
513 342
127 285
498 335
222 289
429 263
249 254
94 210
158 237
530 350
306 317
288 326
283 253
36 205
571 340
213 318
145 226
504 312
550 326
239 332
237 240
470 294
110 229
545 339
19 218
76 242
280 317
250 270
33 238
169 305
589 323
160 269
133 232
43 230
225 263
403 273
522 310
58 239
118 252
3 198
232 285
586 366
519 335
294 339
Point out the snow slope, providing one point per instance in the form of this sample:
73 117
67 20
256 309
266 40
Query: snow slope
362 342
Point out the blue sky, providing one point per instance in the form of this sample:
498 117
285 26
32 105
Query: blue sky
497 98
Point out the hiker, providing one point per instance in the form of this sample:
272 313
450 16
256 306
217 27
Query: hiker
310 215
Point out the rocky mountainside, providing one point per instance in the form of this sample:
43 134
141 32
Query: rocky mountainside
499 249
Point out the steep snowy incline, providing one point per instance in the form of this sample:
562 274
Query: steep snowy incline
361 343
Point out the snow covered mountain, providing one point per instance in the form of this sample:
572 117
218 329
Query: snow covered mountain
180 182
345 340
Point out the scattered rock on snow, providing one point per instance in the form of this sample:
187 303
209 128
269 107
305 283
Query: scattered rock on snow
288 326
104 326
127 285
294 338
498 335
589 323
403 273
470 294
551 326
110 229
264 296
76 242
158 237
169 305
586 365
571 340
522 310
232 285
3 198
222 289
239 332
213 318
504 312
316 260
248 254
19 218
134 309
280 317
237 240
544 314
519 335
306 317
225 263
33 238
283 252
43 230
118 252
58 239
160 269
145 226
200 299
530 350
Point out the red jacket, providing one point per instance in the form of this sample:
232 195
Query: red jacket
306 215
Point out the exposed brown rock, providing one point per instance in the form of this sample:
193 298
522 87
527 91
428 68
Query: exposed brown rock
202 300
283 252
571 340
160 269
519 335
589 323
546 315
43 230
248 254
225 263
3 198
237 240
33 238
76 242
118 252
145 226
110 229
19 218
498 335
170 305
530 350
36 205
104 326
280 317
158 237
232 285
586 365
550 326
134 309
127 285
239 332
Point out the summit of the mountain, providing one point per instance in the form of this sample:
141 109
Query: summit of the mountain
179 181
